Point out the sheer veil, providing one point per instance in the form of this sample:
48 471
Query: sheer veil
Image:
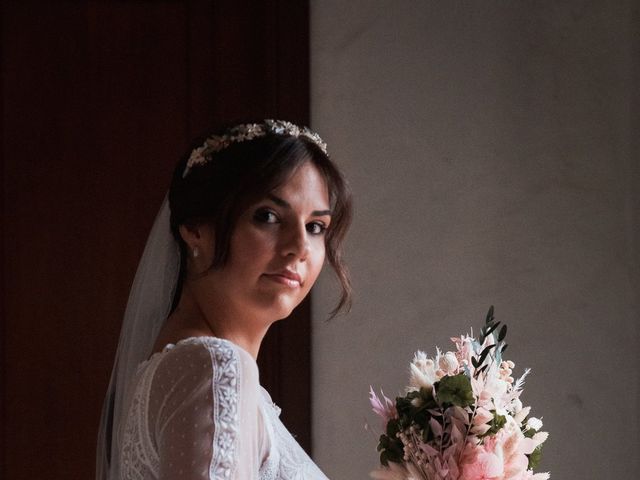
147 308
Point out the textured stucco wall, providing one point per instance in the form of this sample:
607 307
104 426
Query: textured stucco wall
491 149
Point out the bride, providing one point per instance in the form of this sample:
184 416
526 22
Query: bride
250 217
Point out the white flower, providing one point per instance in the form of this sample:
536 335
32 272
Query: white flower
522 414
419 379
500 410
534 423
423 372
449 363
420 359
517 405
540 437
491 391
541 476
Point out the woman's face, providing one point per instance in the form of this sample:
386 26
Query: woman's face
277 249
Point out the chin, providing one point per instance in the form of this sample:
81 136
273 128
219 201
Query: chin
276 299
284 311
280 308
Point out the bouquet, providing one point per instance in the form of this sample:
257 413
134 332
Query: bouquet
461 417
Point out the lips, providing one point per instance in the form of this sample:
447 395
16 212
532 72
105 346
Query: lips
286 277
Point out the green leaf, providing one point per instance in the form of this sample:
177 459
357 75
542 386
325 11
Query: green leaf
391 450
413 408
392 428
504 347
403 404
535 457
455 390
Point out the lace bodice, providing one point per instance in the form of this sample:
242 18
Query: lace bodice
198 412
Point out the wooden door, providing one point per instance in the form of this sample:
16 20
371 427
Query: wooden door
99 99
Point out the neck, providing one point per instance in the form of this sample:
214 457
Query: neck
220 319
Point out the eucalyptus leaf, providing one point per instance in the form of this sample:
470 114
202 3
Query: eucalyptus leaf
487 349
484 354
503 333
483 335
492 328
489 314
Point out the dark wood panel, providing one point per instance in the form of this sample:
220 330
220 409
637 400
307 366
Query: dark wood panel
94 117
99 99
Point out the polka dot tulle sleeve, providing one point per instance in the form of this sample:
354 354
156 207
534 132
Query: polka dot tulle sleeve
202 418
198 412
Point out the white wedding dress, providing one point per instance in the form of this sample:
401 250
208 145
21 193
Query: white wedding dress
198 412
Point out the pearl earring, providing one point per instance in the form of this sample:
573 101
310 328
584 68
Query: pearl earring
195 252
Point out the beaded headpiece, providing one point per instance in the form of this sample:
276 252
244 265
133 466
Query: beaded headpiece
249 131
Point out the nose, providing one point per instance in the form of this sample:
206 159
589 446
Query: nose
296 242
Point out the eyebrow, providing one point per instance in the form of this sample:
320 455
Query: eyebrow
283 203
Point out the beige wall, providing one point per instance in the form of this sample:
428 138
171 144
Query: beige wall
489 146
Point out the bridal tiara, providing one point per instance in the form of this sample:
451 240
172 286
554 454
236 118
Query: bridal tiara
249 131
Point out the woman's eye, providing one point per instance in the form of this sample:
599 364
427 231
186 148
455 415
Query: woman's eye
316 228
265 216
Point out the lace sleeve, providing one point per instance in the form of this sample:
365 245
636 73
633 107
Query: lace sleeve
203 412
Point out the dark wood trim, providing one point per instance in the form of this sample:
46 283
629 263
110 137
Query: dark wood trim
3 289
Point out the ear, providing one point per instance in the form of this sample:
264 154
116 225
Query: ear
200 236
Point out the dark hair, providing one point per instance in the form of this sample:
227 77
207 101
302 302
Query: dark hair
220 190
